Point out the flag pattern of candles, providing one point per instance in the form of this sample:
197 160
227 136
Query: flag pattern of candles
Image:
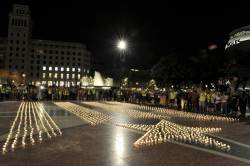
92 117
31 118
168 131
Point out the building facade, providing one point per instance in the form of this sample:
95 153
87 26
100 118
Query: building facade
42 61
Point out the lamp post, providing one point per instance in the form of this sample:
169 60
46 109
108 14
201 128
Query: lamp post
24 76
122 47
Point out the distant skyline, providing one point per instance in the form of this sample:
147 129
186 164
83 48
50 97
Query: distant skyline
153 29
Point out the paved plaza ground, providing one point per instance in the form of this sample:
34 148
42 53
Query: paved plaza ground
108 144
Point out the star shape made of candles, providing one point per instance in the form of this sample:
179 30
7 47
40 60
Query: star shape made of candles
166 131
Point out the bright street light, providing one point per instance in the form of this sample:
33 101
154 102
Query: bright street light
122 45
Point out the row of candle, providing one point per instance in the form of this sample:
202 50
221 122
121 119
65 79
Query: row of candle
189 115
92 117
26 112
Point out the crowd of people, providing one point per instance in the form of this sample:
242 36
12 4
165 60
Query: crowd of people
202 100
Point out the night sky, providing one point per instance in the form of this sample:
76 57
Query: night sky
153 29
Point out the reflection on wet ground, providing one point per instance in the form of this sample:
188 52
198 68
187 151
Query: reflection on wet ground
117 140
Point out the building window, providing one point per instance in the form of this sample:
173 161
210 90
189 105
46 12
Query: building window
79 69
67 68
78 76
38 68
78 59
50 51
50 68
74 58
50 75
10 48
62 68
62 52
73 69
61 83
10 54
16 67
17 42
10 66
50 62
50 57
67 76
56 63
79 53
44 62
22 61
56 57
37 62
56 68
56 52
55 75
74 53
62 63
32 56
44 75
23 55
24 42
22 66
17 55
73 76
37 75
44 68
23 49
11 41
17 48
61 75
62 58
31 67
67 58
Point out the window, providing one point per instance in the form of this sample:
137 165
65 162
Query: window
73 76
17 55
74 58
44 75
56 68
61 83
62 63
24 42
11 41
74 53
10 60
31 67
10 48
50 57
78 76
62 68
67 76
22 61
16 67
44 62
50 51
79 53
17 42
23 55
62 58
55 75
56 63
38 68
44 68
78 59
10 54
61 75
10 66
73 69
62 52
50 68
50 75
87 70
37 62
23 49
22 66
17 48
37 75
56 52
79 69
67 58
67 68
32 56
56 57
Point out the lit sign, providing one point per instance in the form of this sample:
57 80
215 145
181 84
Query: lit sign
238 38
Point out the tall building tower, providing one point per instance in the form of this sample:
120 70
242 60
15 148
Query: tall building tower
19 33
